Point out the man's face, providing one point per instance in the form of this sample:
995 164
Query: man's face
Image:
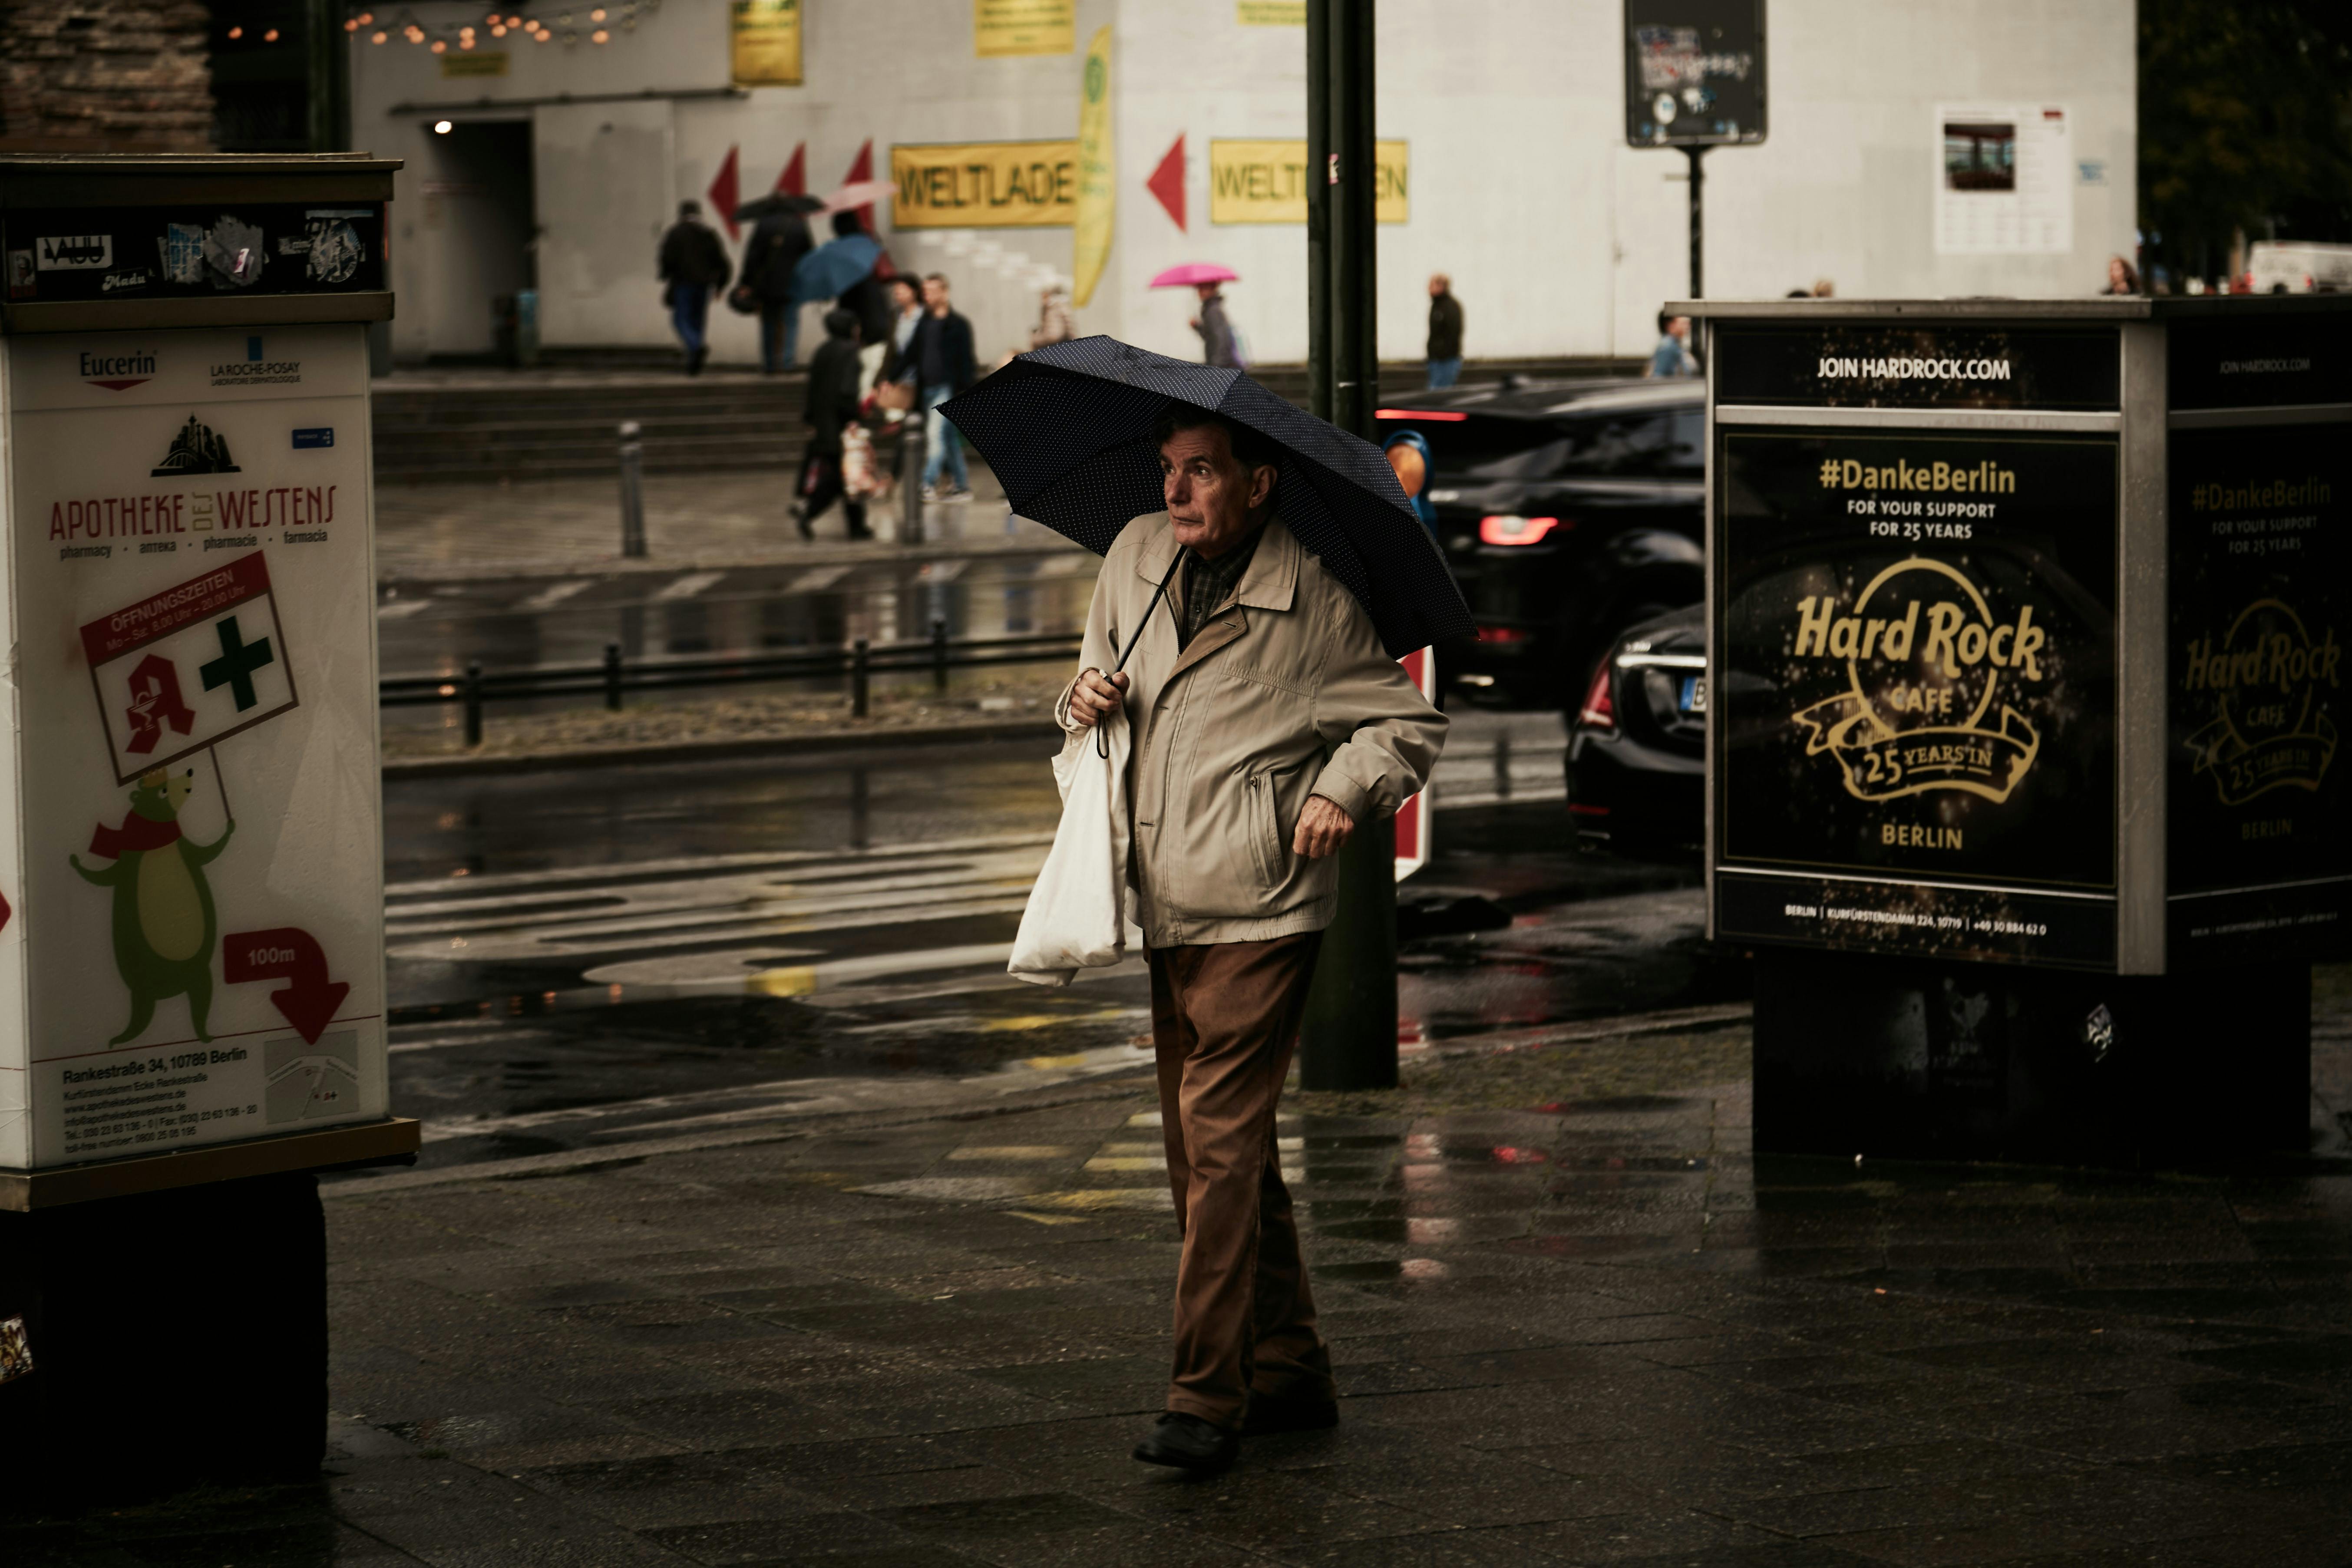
1210 495
906 292
1436 286
1679 327
935 294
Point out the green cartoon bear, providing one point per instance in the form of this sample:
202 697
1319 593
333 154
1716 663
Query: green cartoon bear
164 925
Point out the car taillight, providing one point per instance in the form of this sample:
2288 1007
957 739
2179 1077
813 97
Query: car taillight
1501 633
1597 713
1509 528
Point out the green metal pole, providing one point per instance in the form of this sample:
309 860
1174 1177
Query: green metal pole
1348 1038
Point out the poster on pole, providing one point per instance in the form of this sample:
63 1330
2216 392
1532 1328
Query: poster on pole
1003 28
1412 818
2004 180
1694 72
764 42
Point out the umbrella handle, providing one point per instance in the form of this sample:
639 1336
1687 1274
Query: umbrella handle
1102 742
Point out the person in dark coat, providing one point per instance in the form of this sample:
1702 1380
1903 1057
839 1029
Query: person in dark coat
693 262
832 399
939 359
1444 333
1218 345
775 247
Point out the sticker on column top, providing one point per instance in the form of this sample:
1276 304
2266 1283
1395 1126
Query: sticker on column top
74 253
324 435
16 1350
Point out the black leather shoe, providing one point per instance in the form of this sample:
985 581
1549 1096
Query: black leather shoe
1188 1443
1300 1413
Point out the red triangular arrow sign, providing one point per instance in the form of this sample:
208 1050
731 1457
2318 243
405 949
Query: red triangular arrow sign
862 168
726 195
793 181
1166 182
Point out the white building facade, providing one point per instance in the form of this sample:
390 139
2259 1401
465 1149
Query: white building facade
1983 147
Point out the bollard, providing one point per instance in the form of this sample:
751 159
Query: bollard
938 655
1503 764
858 678
910 476
473 692
633 491
613 676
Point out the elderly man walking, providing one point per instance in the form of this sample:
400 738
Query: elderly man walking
1268 726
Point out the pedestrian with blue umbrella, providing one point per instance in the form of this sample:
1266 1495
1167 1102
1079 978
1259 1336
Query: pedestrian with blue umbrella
1263 570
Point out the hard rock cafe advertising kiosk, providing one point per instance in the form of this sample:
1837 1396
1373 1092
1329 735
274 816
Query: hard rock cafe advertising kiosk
2028 629
191 1004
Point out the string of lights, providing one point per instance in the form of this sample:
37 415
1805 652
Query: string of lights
571 26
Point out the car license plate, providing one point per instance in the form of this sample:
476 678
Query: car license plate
1693 693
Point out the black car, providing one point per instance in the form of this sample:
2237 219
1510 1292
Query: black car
1568 510
1637 742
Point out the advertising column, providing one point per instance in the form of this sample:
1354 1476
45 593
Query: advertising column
201 908
1917 749
2259 849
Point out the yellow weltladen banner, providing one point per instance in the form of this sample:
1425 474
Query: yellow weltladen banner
1097 176
1270 13
985 184
764 40
1001 27
1265 181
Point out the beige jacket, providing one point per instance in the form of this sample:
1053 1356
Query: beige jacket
1284 695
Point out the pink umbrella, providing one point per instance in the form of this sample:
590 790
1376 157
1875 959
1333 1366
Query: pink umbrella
1193 272
858 194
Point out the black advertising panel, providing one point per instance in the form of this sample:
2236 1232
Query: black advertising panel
2259 846
1838 365
1915 698
145 253
2261 361
1694 72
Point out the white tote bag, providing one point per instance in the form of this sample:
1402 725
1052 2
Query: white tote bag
1077 917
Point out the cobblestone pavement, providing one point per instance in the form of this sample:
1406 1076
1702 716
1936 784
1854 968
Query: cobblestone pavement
1599 1333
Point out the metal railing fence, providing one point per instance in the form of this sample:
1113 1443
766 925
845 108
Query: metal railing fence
859 662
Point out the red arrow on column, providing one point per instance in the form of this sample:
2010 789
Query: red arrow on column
286 954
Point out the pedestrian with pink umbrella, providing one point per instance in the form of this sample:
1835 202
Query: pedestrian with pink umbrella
1218 345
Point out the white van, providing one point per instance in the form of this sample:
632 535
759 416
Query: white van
2286 267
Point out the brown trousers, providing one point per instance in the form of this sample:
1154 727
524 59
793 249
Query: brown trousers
1224 1018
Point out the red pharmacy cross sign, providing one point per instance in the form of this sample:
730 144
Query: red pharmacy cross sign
186 668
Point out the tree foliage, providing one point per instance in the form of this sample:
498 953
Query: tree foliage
2246 122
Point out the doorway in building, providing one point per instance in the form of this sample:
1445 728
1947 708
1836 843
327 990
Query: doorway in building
479 234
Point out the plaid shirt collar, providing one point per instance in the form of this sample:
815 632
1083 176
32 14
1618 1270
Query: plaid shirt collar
1210 584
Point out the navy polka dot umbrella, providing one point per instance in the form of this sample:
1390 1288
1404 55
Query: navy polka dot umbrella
1067 431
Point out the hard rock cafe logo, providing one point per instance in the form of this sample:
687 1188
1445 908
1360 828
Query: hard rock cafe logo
2271 678
1924 709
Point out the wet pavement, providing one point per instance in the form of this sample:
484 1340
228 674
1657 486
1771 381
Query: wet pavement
456 534
1601 1334
603 956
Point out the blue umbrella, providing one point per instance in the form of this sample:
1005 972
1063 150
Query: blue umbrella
834 266
1067 431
